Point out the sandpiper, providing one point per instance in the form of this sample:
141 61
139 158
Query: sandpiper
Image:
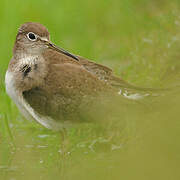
51 85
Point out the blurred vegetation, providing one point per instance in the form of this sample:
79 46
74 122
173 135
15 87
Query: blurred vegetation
140 41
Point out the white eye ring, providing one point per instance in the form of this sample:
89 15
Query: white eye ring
31 36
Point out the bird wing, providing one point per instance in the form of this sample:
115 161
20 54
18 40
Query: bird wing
100 71
67 89
124 88
104 73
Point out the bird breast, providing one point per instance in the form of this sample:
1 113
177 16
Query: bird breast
27 72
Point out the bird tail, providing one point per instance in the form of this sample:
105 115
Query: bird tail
134 92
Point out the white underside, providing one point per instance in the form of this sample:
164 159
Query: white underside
24 107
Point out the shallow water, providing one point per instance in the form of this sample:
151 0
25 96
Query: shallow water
139 142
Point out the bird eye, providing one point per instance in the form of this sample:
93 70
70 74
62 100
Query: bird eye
31 36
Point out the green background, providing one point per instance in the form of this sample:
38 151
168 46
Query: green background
139 40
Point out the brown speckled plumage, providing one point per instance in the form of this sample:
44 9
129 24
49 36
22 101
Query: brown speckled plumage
54 83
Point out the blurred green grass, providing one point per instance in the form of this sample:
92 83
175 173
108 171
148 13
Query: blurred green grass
139 40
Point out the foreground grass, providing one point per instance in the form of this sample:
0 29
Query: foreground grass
140 41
